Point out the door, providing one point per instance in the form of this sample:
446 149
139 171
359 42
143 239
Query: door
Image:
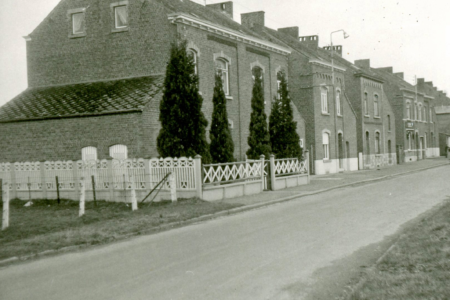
341 151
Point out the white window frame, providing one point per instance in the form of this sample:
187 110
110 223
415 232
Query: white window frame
118 151
115 7
89 153
83 27
366 104
195 57
225 74
324 99
377 142
408 111
279 85
326 145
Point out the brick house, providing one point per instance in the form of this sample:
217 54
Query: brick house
443 119
415 118
330 120
96 70
375 116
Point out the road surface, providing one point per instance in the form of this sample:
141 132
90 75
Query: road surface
260 254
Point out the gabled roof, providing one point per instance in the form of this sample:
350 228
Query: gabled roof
393 79
83 99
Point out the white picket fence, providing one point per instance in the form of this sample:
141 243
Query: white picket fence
289 166
231 172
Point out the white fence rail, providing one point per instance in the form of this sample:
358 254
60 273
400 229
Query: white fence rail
232 172
289 166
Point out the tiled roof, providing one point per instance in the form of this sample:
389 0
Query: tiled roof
393 79
83 99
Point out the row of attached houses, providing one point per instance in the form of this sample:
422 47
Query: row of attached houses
96 72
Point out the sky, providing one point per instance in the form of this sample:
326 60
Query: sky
412 36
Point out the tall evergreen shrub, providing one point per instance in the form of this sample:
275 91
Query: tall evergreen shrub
282 128
222 146
183 123
258 139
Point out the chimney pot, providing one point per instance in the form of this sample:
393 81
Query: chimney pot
311 41
224 7
337 49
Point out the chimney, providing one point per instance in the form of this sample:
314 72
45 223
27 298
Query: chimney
387 69
400 74
311 41
225 7
363 63
292 31
336 49
420 81
430 83
253 19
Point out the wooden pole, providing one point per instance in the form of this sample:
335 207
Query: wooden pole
57 189
82 197
93 190
29 189
125 188
134 205
5 219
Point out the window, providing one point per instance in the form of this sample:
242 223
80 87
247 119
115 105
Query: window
121 16
78 23
118 152
222 70
389 122
425 141
366 104
89 153
326 145
376 106
377 143
257 72
230 124
408 111
419 116
192 53
424 113
279 77
409 140
415 111
431 115
338 103
367 143
324 99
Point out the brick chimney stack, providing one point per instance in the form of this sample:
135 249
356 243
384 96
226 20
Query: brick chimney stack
225 7
400 74
336 49
387 69
363 63
253 20
311 41
292 31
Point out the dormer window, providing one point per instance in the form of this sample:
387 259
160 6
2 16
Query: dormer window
121 16
78 23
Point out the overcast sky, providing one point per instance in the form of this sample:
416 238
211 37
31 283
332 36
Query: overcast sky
413 36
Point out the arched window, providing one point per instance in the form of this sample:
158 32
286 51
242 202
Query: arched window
425 141
367 143
389 122
366 104
222 68
258 72
279 77
415 111
89 153
326 145
338 103
192 53
377 143
324 99
419 116
118 152
408 111
376 106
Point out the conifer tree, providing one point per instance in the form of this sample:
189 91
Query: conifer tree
183 123
258 139
222 146
282 128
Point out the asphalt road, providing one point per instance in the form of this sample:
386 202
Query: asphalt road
269 253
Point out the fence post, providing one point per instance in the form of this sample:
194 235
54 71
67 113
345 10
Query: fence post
77 174
93 190
133 194
110 179
13 181
5 220
262 171
43 179
82 197
57 189
173 188
272 172
198 176
307 165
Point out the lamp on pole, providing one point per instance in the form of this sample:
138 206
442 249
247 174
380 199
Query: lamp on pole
336 143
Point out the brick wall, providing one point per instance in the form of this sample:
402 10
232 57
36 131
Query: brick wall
55 58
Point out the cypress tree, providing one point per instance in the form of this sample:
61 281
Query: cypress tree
222 146
183 131
282 128
258 139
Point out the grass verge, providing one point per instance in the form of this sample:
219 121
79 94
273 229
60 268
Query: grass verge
416 267
49 226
